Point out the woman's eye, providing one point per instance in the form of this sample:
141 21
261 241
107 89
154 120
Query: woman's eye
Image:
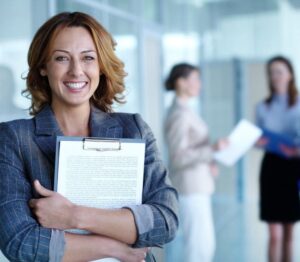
88 58
61 58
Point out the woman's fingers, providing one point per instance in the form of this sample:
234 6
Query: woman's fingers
289 151
137 254
262 142
42 190
32 203
222 144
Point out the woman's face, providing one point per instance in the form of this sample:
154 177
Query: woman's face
192 84
280 77
73 70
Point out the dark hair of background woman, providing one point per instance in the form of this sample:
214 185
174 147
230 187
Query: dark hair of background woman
292 89
181 70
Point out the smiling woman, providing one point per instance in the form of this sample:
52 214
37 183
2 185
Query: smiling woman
95 44
72 69
74 78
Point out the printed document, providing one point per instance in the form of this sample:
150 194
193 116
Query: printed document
242 138
100 173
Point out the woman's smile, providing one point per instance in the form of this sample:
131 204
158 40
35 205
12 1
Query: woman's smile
75 86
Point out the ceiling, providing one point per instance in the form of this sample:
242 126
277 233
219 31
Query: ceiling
239 7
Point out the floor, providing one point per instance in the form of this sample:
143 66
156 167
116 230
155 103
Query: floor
240 236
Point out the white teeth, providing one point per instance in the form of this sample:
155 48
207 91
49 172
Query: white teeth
76 85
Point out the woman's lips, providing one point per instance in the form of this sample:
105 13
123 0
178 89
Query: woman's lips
75 86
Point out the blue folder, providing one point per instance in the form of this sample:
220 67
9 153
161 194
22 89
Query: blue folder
275 140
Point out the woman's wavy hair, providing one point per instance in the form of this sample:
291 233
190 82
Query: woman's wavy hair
292 89
111 84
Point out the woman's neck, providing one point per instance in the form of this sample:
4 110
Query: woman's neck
182 98
283 93
73 121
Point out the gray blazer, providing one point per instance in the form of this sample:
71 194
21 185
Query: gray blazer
27 152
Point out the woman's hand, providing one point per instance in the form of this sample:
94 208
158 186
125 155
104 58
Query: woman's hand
289 151
53 210
125 253
214 170
221 144
262 142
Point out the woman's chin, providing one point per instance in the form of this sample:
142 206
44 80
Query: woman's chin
73 103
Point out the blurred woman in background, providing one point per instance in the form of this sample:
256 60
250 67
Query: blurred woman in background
191 164
279 200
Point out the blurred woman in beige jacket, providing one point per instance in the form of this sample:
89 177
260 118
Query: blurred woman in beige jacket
192 169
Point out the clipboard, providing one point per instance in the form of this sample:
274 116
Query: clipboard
107 149
103 146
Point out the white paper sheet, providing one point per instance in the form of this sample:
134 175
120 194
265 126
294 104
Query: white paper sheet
101 179
242 138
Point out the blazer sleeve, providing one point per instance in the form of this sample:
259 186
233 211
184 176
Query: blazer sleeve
182 153
157 218
21 237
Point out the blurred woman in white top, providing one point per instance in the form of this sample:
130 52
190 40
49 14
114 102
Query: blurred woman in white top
192 169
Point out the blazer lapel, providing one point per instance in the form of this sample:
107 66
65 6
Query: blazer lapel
103 125
46 131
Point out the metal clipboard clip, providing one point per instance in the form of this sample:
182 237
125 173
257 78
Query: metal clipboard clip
101 144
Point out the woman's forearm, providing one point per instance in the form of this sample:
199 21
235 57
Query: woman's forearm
86 247
118 224
93 247
55 211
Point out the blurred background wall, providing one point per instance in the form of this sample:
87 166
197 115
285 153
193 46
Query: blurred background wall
229 39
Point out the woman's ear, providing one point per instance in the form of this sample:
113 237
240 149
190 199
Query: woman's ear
181 83
43 72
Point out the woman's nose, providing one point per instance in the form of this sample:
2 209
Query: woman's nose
75 68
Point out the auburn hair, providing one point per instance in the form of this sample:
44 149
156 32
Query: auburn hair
111 84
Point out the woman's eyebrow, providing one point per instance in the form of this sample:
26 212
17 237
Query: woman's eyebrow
88 51
65 51
60 50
